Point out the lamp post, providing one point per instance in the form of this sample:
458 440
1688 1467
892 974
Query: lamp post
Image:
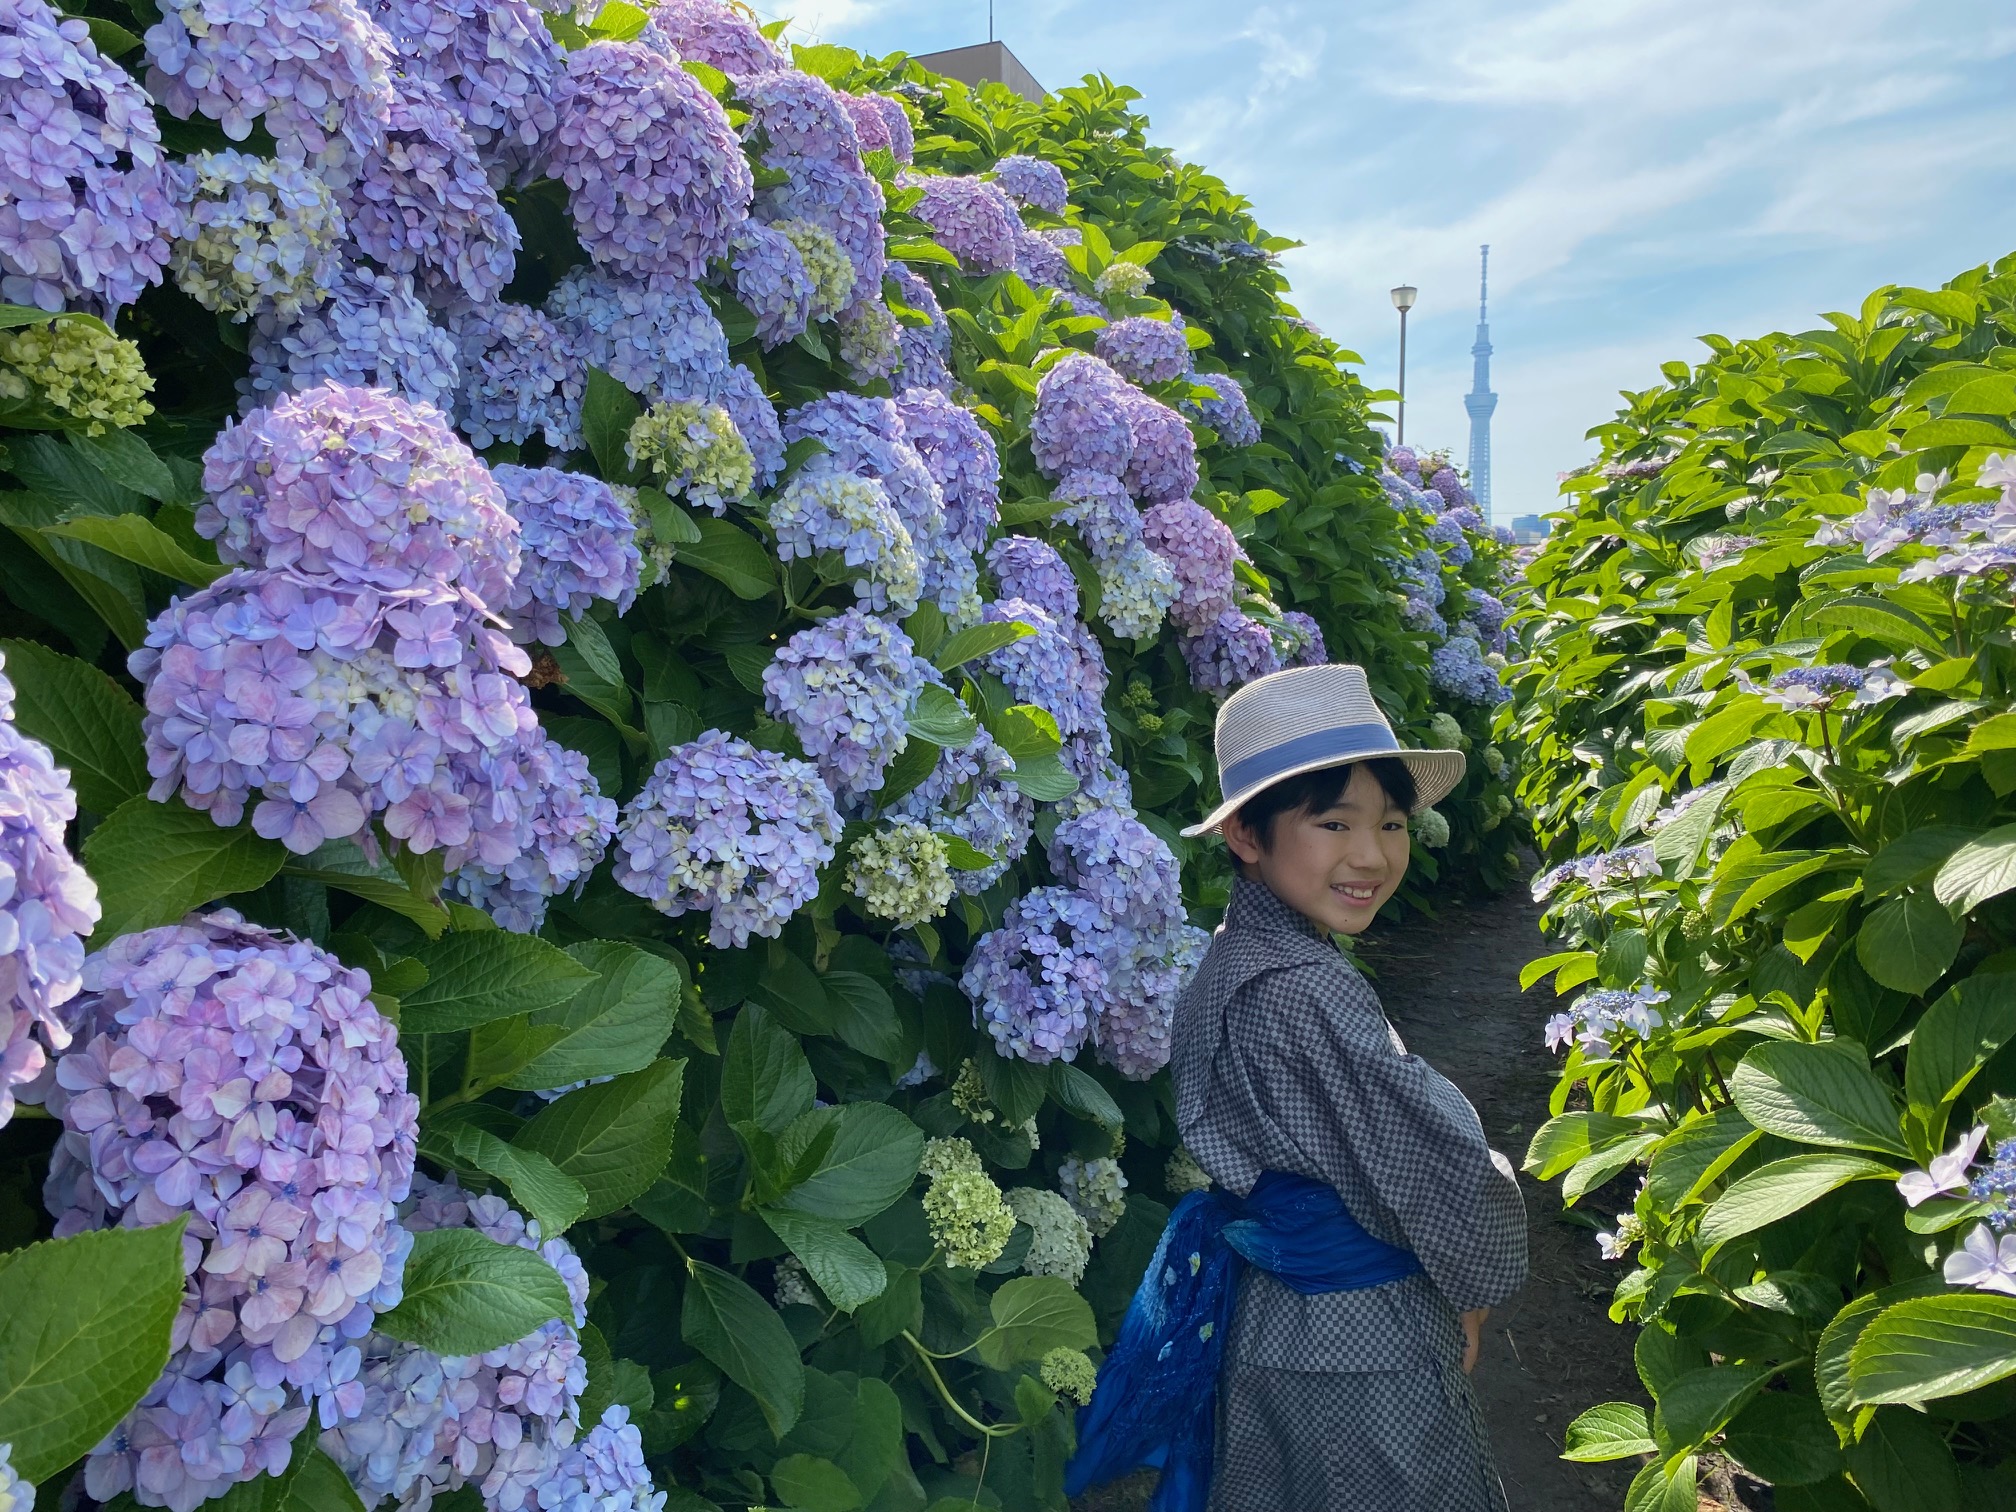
1403 301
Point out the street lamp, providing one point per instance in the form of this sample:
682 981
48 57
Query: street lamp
1403 301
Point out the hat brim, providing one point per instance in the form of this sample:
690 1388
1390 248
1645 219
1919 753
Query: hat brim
1436 774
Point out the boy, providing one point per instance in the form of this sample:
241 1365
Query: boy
1379 1225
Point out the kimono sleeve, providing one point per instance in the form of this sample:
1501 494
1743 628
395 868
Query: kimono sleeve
1384 1123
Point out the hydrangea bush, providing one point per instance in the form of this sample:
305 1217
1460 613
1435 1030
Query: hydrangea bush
1762 695
617 633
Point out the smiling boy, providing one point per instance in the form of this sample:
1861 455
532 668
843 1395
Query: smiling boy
1354 1399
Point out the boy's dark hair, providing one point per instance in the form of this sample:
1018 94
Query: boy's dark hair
1313 792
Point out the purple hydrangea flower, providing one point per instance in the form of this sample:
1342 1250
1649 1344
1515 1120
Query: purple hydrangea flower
902 135
755 420
1201 549
1232 650
421 1425
1606 869
1144 350
802 118
661 341
48 904
866 436
771 281
1102 782
603 1471
242 1078
972 219
718 35
845 686
1082 418
1099 508
1449 537
871 127
519 377
422 204
1040 264
842 200
1299 640
825 509
333 702
568 823
1446 483
1827 686
1228 414
1457 667
1031 570
962 459
496 60
1037 982
658 182
579 543
926 350
360 486
317 71
85 212
371 332
969 796
1121 864
727 829
1032 182
256 234
1049 667
1147 971
1594 1019
1164 461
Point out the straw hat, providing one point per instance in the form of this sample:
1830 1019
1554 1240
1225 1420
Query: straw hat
1306 718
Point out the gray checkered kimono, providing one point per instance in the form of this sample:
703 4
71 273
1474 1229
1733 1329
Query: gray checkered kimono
1346 1401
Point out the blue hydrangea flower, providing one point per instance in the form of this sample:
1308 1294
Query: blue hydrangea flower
800 117
1031 570
1098 507
579 544
729 830
1036 983
568 824
1228 414
1047 668
520 377
1201 549
825 509
926 350
1457 668
1121 864
1082 418
771 281
869 341
961 457
1147 971
1298 640
1144 349
1163 464
968 796
257 234
661 341
1040 264
496 60
1032 182
845 686
1136 588
718 35
972 219
371 332
842 200
1231 651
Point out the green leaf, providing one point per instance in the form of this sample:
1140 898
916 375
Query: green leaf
618 1022
807 1484
922 252
84 1332
129 461
864 1017
725 1320
765 1079
1570 1138
593 674
1784 1438
1914 858
979 640
316 1483
846 1270
111 39
1079 1093
940 719
537 1185
732 557
960 855
608 410
137 539
1823 1094
1614 1430
482 977
342 864
465 1293
614 1138
1932 1347
89 723
1694 1405
1032 1316
1958 1035
1979 870
154 862
870 1163
1901 1463
1661 1487
1908 942
1781 1188
1027 733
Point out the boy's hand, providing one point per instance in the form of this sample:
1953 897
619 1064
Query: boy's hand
1473 1331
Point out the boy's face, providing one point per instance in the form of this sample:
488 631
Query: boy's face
1337 867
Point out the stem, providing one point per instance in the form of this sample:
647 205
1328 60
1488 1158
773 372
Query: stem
426 1068
1644 1072
1826 739
924 1355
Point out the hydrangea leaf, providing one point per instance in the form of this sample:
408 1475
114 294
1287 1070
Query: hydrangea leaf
871 1161
807 1484
1822 1094
725 1320
154 862
732 557
84 1331
616 1023
478 978
465 1293
1032 1316
90 724
845 1269
1930 1347
765 1078
613 1138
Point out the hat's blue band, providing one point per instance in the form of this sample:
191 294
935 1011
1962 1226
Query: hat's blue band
1334 744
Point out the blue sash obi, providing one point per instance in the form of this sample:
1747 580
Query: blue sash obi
1157 1398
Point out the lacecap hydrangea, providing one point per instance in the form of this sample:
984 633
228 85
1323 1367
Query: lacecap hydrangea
724 828
245 1079
48 904
845 686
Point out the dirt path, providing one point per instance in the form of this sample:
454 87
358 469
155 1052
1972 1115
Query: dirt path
1451 987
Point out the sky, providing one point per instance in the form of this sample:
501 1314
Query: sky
1645 170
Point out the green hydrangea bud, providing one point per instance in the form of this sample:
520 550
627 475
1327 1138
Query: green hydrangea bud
901 873
696 449
968 1219
944 1157
794 1288
1070 1373
1431 828
1183 1174
77 368
1448 733
1494 761
1125 279
969 1095
1696 926
657 551
832 272
1060 1243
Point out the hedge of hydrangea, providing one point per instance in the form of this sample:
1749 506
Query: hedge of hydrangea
625 619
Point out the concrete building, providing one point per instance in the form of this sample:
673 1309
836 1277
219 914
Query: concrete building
984 63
